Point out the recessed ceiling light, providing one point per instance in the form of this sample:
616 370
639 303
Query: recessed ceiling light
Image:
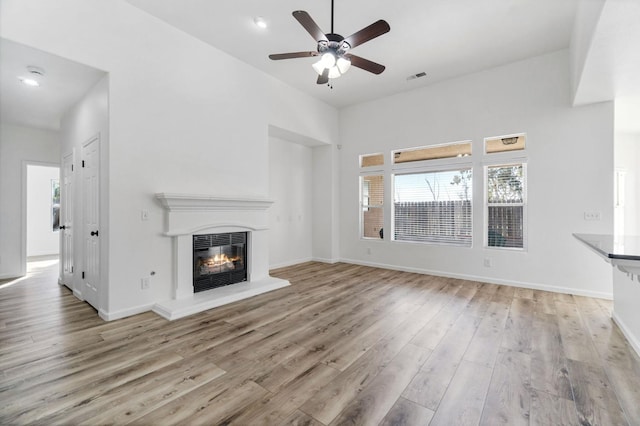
29 81
260 22
35 74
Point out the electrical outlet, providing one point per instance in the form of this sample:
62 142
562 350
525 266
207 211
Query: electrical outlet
368 250
487 262
144 214
144 283
592 215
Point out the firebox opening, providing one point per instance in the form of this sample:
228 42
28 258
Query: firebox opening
219 260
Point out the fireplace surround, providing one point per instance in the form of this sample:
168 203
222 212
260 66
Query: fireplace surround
190 215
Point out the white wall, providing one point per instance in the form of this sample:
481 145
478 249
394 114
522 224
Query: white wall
183 117
326 194
584 27
41 238
570 171
627 160
291 215
626 289
19 146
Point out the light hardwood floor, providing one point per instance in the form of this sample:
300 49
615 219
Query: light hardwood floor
343 344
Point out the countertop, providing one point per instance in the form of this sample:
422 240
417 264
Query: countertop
626 247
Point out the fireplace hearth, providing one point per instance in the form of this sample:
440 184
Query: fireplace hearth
219 260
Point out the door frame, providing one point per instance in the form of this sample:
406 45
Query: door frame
61 278
99 306
23 209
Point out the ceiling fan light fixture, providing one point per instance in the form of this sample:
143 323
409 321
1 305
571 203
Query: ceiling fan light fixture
334 72
318 67
328 59
343 65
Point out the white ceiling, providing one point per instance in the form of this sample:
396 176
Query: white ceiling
64 84
444 38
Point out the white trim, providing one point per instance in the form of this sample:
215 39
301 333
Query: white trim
9 276
290 263
198 202
439 165
634 341
323 260
78 294
198 302
524 204
111 316
218 227
23 207
489 280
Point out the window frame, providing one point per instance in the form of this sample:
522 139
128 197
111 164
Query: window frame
362 208
505 162
435 169
450 164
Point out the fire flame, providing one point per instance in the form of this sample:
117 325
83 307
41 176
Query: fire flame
219 260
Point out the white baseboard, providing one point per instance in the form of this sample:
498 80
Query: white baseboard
10 276
290 263
322 260
633 340
489 280
78 294
110 316
299 261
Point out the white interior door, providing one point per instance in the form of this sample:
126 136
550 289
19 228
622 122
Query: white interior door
66 220
91 222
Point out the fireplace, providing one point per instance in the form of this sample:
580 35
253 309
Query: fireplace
219 260
189 217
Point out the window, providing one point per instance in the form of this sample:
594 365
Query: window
371 202
506 197
436 152
433 207
504 144
371 160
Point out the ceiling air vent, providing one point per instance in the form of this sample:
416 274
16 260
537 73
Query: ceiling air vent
414 76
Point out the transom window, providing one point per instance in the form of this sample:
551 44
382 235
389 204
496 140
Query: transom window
435 152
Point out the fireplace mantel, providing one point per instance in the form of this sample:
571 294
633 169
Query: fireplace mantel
195 202
189 215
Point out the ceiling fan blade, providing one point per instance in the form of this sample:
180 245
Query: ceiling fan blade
309 24
372 31
324 78
292 55
365 64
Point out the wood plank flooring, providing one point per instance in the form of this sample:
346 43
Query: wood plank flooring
343 344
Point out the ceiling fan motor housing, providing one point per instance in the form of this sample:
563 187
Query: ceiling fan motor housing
335 43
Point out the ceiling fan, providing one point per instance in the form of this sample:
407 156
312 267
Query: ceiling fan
333 49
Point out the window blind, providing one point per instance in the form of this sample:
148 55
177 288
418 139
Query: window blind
434 207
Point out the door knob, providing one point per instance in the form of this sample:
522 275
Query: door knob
94 233
62 227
